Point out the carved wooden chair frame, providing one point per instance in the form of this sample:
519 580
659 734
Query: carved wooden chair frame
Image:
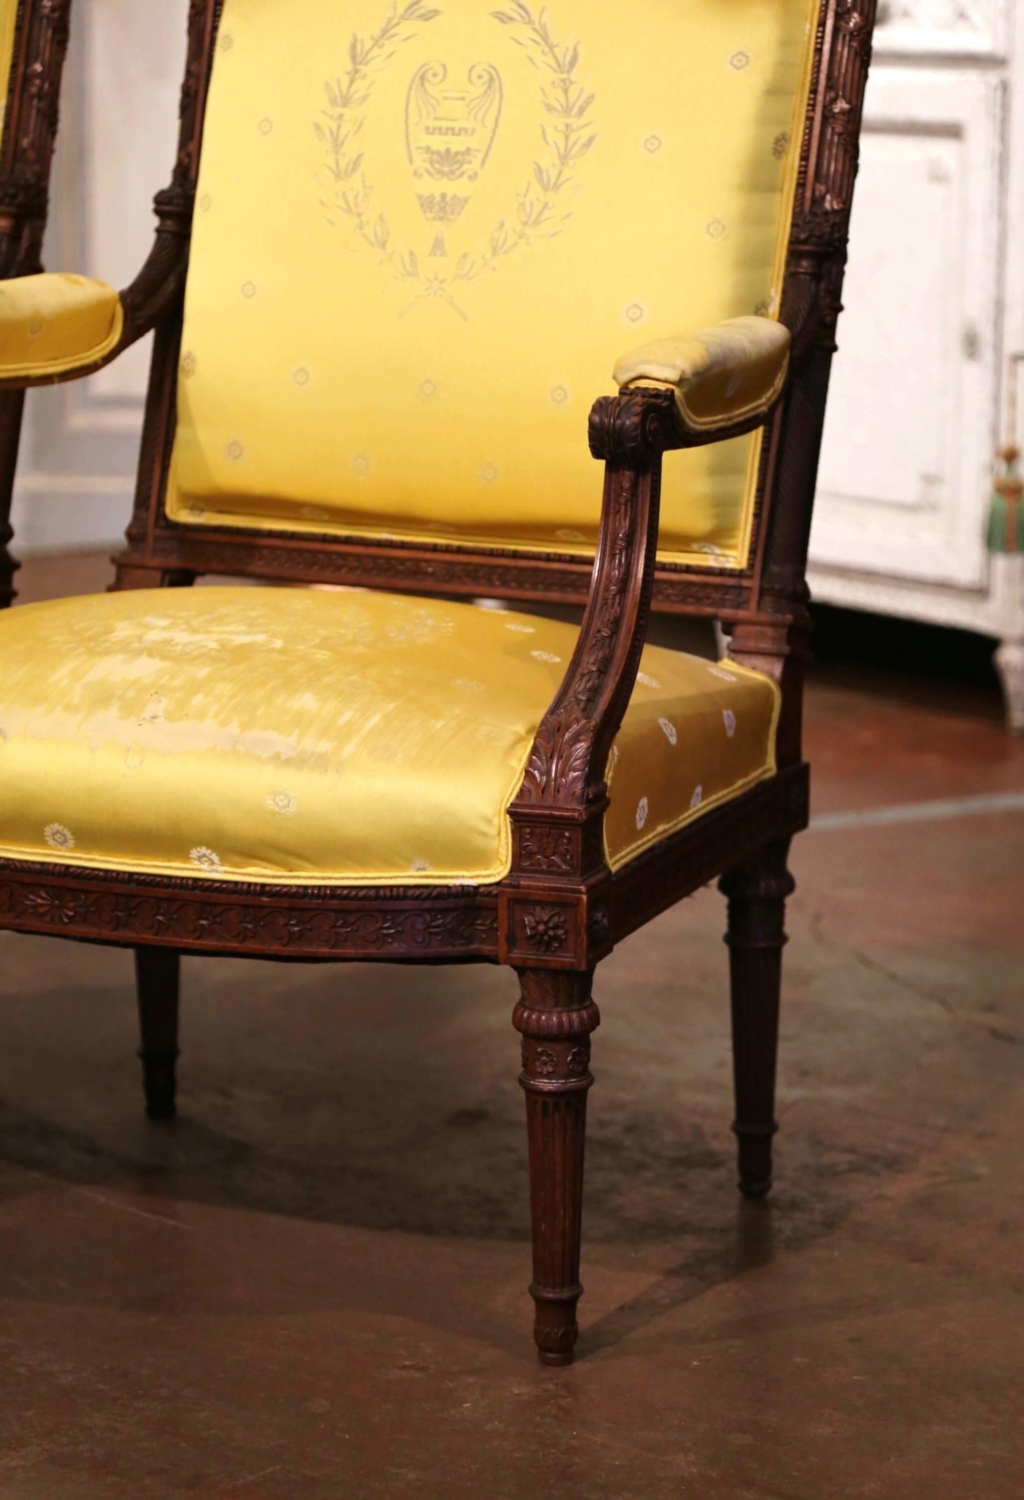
560 910
26 153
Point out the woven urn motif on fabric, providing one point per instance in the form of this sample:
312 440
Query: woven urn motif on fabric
452 117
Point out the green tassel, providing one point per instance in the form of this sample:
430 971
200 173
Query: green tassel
1006 513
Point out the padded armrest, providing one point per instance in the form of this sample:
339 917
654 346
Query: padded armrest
52 325
721 375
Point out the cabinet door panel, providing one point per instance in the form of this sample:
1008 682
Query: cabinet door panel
905 470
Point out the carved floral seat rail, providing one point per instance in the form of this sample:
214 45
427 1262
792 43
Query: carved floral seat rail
408 252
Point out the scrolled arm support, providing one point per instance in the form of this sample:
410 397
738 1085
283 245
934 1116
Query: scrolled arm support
630 432
635 428
161 282
566 766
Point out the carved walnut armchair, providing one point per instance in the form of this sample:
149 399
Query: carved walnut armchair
403 248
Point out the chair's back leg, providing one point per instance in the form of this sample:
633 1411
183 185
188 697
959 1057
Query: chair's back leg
157 973
555 1017
757 892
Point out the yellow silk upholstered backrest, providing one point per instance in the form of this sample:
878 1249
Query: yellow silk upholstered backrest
426 230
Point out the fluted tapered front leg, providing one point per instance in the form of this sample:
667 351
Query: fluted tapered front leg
555 1017
757 892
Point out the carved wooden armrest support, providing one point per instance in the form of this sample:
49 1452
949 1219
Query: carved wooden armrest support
555 906
160 285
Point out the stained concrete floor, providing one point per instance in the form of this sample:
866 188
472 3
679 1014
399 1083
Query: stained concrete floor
313 1284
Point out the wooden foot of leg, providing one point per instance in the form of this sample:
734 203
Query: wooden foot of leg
757 892
1009 660
555 1017
157 973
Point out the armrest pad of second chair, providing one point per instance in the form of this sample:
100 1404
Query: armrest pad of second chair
720 375
53 324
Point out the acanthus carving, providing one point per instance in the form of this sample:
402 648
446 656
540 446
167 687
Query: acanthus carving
634 427
560 758
563 765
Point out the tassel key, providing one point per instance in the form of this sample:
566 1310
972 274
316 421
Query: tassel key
1006 516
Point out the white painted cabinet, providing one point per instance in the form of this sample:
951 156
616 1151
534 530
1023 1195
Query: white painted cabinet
934 301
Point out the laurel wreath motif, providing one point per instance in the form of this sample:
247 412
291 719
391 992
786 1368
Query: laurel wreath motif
541 210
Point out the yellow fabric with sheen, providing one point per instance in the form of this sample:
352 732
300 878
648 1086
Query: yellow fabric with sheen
8 19
294 736
54 323
720 375
425 232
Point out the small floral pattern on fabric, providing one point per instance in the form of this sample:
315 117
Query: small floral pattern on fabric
315 737
341 124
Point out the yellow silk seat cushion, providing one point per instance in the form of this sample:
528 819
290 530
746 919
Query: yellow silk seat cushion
54 323
305 736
